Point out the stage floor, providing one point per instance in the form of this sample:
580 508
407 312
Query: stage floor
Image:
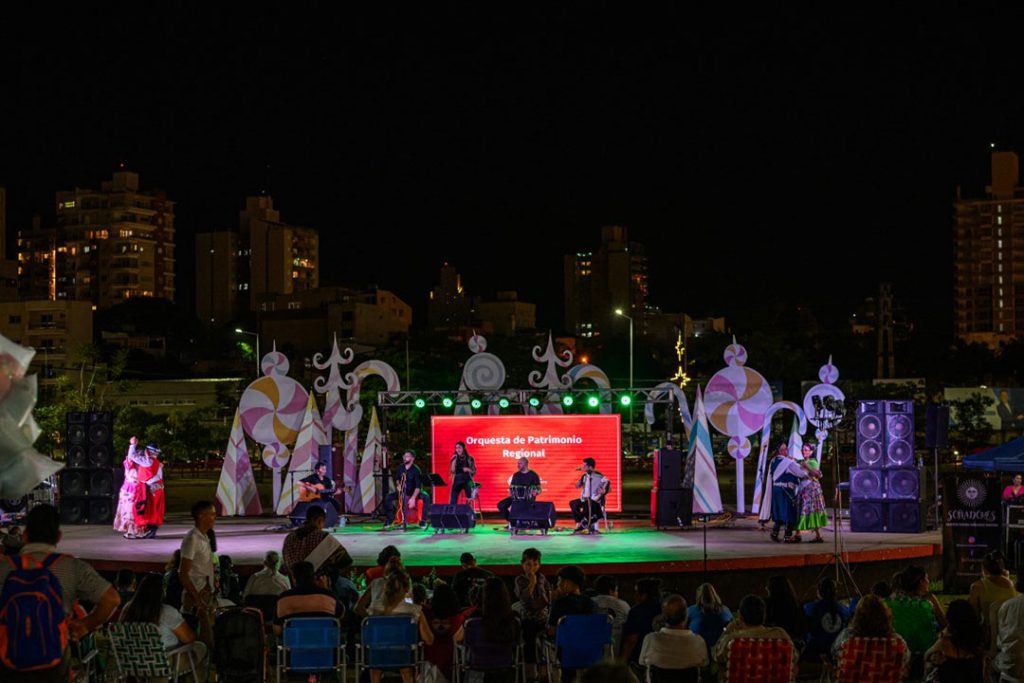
632 546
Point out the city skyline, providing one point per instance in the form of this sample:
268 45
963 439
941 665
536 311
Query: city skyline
819 158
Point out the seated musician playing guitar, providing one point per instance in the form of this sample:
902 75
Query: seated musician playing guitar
318 486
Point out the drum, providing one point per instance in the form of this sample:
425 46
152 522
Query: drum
519 492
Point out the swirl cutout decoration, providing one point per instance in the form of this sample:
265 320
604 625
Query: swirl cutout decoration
549 379
680 397
482 372
762 458
737 398
271 409
598 377
348 420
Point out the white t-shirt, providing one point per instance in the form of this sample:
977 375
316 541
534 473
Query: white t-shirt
267 582
672 648
196 547
170 619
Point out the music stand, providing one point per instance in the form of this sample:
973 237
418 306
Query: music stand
435 480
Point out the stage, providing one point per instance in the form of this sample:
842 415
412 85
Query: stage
631 547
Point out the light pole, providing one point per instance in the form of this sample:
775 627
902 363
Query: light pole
239 330
618 311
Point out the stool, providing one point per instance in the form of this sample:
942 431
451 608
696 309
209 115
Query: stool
474 502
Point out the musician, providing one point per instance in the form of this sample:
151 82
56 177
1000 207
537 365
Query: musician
463 467
412 491
524 484
321 485
593 486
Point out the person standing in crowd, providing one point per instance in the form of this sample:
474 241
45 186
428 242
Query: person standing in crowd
784 610
197 571
534 595
959 653
1009 659
268 581
463 469
78 581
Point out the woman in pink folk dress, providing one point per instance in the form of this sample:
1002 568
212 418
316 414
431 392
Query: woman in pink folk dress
124 520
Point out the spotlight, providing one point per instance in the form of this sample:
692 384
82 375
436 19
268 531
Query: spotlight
567 400
475 404
420 403
534 402
593 401
625 400
503 403
447 402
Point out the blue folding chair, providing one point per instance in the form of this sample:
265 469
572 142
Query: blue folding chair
581 641
311 645
389 643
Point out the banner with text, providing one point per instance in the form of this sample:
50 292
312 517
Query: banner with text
555 445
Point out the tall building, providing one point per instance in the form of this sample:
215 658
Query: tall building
989 257
8 268
106 246
268 258
507 315
55 329
449 307
597 283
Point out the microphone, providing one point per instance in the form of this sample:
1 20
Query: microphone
577 469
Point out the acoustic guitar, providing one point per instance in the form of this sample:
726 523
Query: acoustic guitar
311 492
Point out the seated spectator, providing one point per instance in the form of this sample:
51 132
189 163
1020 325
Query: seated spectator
880 589
467 577
568 598
395 601
993 586
268 581
958 654
419 594
148 607
375 589
309 598
382 561
230 586
1009 660
750 624
825 619
709 617
871 620
78 581
499 623
345 590
607 600
784 610
172 581
641 618
125 584
913 582
300 543
445 618
12 540
674 646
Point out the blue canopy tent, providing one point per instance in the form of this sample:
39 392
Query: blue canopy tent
1006 458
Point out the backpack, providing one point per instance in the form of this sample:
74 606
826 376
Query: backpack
245 659
33 629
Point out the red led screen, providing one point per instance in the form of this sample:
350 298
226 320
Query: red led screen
555 445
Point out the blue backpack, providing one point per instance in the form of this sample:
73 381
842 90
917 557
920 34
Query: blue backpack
33 630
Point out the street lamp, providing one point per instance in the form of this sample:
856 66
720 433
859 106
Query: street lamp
618 311
239 330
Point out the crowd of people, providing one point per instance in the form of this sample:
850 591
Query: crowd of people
980 638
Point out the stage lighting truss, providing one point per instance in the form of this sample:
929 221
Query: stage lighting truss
523 398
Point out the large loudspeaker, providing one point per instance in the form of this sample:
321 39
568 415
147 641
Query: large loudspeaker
299 512
936 431
444 517
903 484
671 507
904 517
867 517
866 483
88 485
899 433
668 468
531 514
870 433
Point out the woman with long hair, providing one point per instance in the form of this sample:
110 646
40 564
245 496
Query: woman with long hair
826 617
993 586
445 618
810 497
872 619
147 607
398 587
784 610
498 620
958 655
463 467
708 617
913 582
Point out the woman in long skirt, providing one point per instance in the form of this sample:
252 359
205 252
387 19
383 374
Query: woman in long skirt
811 498
124 520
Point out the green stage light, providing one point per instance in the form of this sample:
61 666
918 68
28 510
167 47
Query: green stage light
593 401
567 400
626 400
503 403
447 402
420 403
475 404
534 402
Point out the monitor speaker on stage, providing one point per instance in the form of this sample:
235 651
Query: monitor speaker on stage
668 468
445 517
671 507
531 514
299 512
88 484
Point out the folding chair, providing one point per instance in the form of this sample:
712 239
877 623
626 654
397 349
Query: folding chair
760 660
139 652
311 645
870 660
477 654
389 643
581 641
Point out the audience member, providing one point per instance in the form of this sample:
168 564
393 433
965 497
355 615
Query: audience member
534 595
309 598
674 646
467 577
993 586
709 617
1009 660
396 600
873 619
641 618
125 584
958 654
607 600
913 582
172 581
749 624
197 571
268 581
825 617
230 585
445 618
383 556
300 543
784 610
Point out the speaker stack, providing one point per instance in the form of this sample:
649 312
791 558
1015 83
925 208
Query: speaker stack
885 487
671 504
88 486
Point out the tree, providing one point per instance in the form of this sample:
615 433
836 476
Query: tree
968 418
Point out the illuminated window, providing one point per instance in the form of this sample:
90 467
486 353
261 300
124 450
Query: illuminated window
999 220
999 243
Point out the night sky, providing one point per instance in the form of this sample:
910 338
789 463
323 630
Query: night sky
783 156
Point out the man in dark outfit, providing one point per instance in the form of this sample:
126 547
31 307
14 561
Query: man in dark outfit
528 483
413 490
320 478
